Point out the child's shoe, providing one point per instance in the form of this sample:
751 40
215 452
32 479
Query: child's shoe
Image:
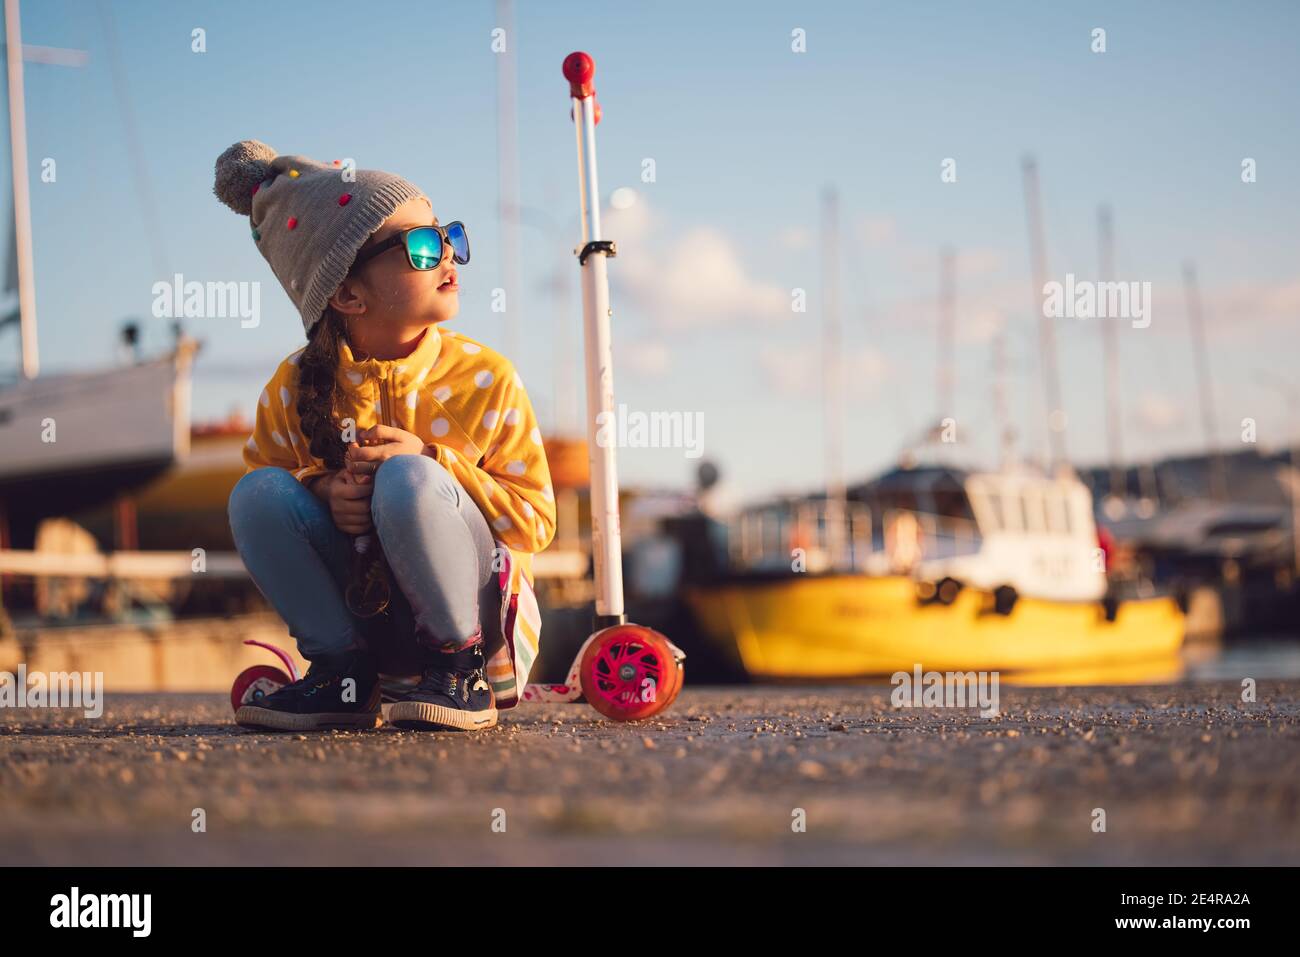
323 698
453 695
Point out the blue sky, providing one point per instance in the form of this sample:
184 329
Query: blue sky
745 135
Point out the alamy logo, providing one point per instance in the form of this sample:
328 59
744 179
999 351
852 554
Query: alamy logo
1085 299
103 910
54 689
208 300
651 430
948 689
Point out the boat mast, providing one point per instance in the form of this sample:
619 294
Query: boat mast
1046 330
832 397
1204 388
22 199
1006 436
1118 482
947 321
508 173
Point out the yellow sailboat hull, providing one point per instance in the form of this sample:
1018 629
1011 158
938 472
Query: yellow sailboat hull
839 626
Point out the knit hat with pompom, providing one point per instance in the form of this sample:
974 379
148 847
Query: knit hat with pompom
308 219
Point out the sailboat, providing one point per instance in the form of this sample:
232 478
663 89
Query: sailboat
938 566
74 440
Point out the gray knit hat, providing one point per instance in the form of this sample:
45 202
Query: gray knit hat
308 219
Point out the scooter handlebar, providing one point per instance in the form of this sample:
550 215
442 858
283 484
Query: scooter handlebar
579 68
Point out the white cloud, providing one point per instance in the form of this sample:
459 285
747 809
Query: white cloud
1157 412
687 276
1277 302
876 230
645 357
796 237
797 371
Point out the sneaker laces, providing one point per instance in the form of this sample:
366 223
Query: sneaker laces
445 678
315 676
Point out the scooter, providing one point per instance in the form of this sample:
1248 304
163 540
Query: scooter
625 671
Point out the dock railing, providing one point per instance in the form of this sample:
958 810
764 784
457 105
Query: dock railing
800 535
777 537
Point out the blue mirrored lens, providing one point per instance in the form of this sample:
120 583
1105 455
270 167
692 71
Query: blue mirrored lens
459 240
424 246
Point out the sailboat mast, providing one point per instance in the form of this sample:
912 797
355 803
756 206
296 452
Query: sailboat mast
947 321
22 198
1204 388
1110 347
1006 437
832 364
1046 329
508 173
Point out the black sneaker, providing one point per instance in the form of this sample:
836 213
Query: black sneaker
453 695
338 691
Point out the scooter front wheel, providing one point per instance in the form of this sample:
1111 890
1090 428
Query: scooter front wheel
630 673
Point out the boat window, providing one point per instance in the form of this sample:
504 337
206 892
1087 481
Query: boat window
1035 515
1057 523
998 519
952 503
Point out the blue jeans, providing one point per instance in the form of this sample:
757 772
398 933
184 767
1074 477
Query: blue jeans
436 541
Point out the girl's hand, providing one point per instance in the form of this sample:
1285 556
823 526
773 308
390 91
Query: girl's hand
377 445
349 501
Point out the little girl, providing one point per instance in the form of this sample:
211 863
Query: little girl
384 435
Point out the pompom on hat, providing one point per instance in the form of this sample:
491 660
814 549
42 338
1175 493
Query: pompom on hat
307 219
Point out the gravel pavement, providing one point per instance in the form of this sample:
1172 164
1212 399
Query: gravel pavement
1185 774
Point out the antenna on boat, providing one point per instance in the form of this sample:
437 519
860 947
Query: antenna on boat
836 507
15 53
22 198
1117 484
1204 388
947 320
1056 421
1006 434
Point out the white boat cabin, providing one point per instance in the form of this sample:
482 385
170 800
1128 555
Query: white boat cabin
1031 532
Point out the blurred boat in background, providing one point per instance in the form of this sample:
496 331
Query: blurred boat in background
955 570
80 439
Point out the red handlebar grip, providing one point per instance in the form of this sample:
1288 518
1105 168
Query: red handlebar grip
579 68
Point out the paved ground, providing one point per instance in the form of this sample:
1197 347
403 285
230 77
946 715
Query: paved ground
1186 774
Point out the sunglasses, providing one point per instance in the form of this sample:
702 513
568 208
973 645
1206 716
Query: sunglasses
424 244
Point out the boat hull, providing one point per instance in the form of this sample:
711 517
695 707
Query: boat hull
842 626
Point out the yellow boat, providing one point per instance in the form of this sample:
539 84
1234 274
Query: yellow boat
993 571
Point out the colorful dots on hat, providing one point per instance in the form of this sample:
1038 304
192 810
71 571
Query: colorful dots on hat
293 222
345 199
293 174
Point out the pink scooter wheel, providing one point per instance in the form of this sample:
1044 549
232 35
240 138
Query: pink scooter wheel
630 672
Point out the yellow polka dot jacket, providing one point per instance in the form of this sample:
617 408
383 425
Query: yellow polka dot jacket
468 404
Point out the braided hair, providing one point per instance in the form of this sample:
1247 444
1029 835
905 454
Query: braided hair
318 389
